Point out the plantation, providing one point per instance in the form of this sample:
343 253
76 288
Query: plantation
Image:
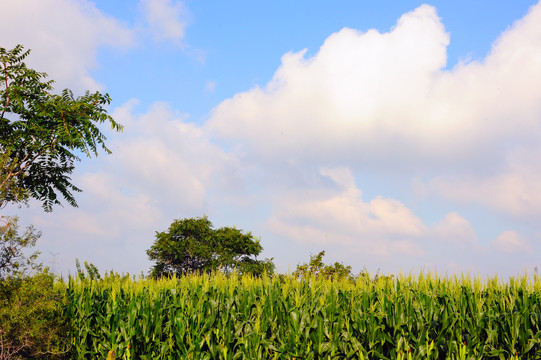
242 317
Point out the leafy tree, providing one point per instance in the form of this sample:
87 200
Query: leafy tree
13 261
318 268
41 133
192 246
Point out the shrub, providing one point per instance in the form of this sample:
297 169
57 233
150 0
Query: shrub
32 325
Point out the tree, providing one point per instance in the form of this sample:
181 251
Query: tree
13 261
192 246
41 133
318 268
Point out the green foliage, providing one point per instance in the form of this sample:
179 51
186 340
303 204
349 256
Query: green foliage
192 246
13 261
31 321
32 325
41 132
9 191
318 268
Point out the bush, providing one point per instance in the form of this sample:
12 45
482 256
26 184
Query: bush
32 325
31 304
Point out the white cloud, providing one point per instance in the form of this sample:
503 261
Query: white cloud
64 36
382 102
114 207
167 19
173 160
341 218
510 242
379 233
407 248
515 190
353 96
454 229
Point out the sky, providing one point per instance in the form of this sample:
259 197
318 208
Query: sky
397 136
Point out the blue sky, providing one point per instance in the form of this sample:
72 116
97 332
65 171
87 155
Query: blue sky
396 135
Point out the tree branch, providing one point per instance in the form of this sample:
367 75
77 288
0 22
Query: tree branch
7 89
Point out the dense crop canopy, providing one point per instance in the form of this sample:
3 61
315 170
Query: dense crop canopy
219 317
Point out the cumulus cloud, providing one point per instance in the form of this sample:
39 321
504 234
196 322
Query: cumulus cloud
167 19
380 233
173 160
510 242
383 102
341 218
64 36
515 190
353 96
454 229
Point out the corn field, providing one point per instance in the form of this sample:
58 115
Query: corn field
234 317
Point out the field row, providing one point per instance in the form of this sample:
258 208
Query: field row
217 317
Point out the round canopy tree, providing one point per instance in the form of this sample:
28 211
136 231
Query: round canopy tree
193 246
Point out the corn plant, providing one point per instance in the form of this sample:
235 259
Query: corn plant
284 317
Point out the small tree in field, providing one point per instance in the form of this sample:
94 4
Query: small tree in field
193 246
318 268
